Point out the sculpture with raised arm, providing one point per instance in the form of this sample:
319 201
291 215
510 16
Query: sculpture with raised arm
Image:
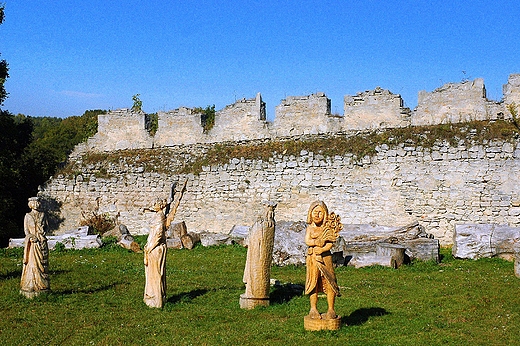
155 258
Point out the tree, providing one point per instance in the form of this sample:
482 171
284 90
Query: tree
4 68
138 104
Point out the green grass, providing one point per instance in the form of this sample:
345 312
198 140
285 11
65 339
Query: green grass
96 299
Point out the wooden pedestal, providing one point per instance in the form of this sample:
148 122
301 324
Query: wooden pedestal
251 303
314 324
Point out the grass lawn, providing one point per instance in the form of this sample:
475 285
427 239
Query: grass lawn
96 299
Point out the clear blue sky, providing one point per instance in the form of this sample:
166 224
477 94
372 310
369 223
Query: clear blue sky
69 56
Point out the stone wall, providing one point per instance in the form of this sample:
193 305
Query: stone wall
302 115
121 129
452 103
299 115
240 121
438 187
180 126
375 109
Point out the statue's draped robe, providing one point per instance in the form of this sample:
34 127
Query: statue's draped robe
35 272
155 263
257 271
320 272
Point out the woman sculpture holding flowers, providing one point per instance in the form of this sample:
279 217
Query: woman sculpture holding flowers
322 231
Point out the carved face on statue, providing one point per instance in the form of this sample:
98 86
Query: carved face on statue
317 215
34 203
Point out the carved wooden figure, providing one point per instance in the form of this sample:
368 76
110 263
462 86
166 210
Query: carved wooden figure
155 258
257 272
322 231
35 272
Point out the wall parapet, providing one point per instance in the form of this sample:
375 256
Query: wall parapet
299 115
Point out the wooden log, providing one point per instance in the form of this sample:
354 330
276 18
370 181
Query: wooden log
474 241
189 240
315 324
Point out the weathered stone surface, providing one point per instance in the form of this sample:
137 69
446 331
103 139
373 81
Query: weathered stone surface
174 243
517 264
289 243
474 241
424 249
215 239
176 230
74 239
239 233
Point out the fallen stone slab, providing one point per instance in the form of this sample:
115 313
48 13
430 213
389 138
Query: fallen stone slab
215 239
474 241
74 239
289 243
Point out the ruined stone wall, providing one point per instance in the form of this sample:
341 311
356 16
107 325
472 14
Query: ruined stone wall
511 90
302 115
375 109
243 120
299 115
452 103
439 187
121 129
177 127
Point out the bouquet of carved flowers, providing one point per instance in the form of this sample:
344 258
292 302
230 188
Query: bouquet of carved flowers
331 228
330 233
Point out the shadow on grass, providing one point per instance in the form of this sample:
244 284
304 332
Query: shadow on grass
362 315
87 290
187 296
284 293
11 275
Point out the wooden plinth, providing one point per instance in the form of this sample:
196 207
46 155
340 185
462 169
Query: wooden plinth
314 324
251 303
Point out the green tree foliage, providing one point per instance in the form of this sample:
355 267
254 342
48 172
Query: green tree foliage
207 118
16 136
4 69
138 104
152 123
31 150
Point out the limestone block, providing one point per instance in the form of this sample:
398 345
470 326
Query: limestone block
289 243
474 241
74 239
215 239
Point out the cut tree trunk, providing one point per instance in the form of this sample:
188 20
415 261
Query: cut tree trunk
189 240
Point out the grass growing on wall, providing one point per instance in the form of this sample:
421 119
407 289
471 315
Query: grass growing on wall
358 145
96 299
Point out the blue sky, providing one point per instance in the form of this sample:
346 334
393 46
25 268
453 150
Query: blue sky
69 56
